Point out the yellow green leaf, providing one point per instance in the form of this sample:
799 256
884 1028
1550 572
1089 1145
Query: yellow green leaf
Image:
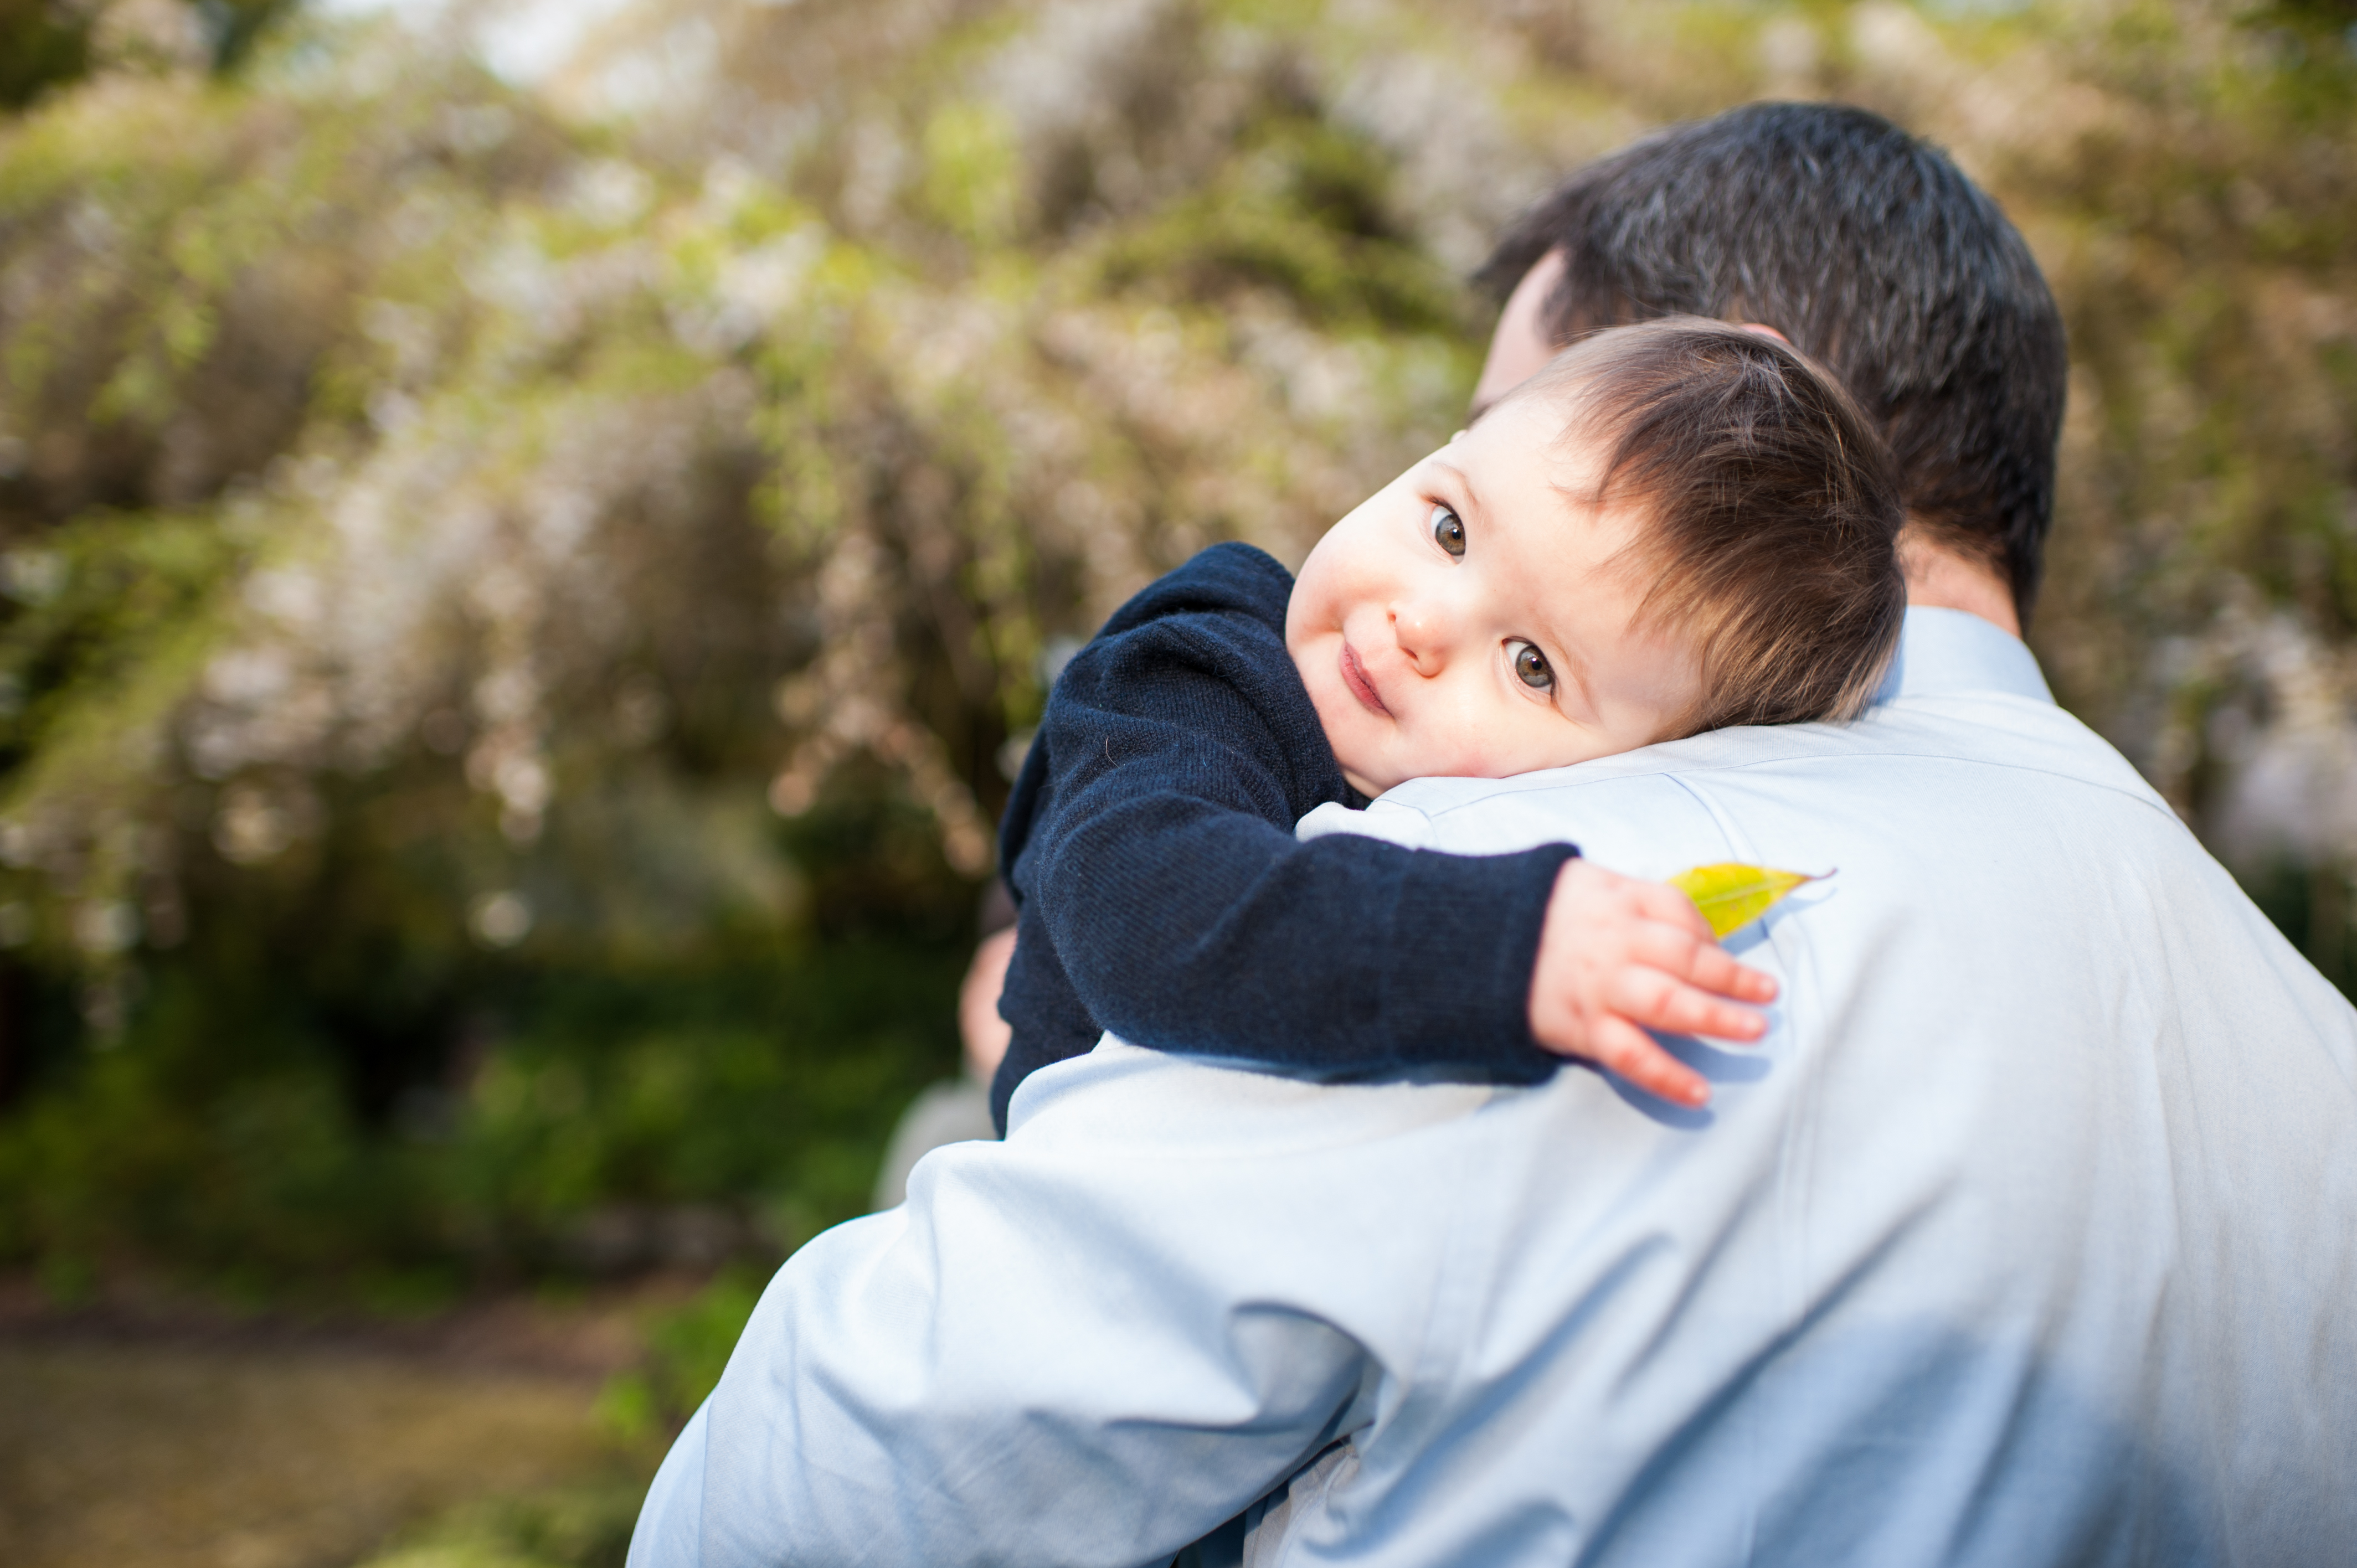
1731 896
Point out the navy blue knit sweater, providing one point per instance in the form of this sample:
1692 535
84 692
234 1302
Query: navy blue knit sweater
1161 892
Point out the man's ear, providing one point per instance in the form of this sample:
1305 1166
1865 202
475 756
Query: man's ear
1521 344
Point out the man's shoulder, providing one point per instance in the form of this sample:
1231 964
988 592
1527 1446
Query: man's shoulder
1951 744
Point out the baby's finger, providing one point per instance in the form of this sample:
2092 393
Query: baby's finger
1713 970
1700 962
1660 901
1659 1001
1624 1048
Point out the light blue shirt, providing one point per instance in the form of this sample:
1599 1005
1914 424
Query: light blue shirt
2028 1236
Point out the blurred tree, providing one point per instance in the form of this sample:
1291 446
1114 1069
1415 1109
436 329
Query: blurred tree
48 43
467 550
232 27
42 43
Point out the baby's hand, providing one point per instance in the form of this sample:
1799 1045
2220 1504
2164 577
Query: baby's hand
1618 956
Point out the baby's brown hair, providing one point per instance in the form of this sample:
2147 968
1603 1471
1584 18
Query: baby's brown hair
1774 511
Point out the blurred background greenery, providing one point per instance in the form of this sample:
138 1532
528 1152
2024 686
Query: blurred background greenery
532 536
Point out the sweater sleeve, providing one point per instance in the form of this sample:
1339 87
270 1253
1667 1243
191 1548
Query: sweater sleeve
1162 870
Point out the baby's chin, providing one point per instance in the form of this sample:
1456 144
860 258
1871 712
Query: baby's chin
1370 775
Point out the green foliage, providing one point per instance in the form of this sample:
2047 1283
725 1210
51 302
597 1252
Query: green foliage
1301 212
585 1526
515 606
41 45
973 171
628 1120
687 1349
772 1089
260 1180
49 44
106 603
235 28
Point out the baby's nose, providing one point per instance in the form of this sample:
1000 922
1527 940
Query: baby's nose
1426 632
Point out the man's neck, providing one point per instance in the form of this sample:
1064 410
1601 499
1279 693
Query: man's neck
1941 578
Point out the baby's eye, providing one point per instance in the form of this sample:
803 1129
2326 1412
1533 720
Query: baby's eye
1447 530
1531 665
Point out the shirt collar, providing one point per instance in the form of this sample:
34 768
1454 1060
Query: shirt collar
1944 652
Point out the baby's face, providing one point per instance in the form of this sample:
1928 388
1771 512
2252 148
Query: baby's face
1471 619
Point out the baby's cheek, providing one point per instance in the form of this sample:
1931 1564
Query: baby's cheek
1467 756
1505 753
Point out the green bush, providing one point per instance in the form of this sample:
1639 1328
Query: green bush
584 1526
630 1121
687 1349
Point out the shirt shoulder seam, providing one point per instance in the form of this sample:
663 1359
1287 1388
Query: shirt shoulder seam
1435 814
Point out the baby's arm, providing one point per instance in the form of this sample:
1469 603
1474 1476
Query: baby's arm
1190 922
1165 897
1150 842
1617 957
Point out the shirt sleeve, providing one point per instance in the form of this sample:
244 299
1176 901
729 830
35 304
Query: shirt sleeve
1186 915
1052 1352
669 1533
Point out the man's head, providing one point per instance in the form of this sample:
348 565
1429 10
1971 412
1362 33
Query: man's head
1671 528
1865 247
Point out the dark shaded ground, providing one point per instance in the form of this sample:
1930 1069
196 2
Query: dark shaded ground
182 1440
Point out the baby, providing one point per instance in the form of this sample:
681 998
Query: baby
1674 527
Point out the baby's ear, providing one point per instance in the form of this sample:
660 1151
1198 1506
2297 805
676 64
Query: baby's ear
1456 438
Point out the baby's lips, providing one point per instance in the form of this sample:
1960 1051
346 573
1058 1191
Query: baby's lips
1361 683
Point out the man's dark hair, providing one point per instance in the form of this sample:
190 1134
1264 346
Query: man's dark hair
1875 255
1771 511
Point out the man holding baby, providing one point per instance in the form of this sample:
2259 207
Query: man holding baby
2023 1235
